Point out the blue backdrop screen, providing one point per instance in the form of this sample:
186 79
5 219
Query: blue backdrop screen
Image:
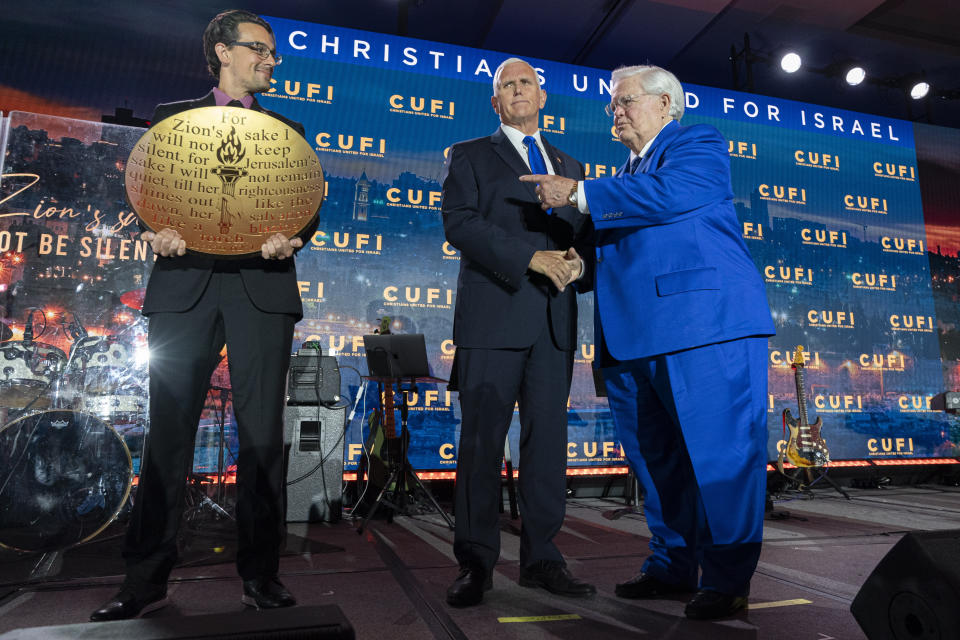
831 205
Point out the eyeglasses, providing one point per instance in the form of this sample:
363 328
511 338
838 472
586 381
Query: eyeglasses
623 102
260 49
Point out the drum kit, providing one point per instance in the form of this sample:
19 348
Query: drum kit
70 422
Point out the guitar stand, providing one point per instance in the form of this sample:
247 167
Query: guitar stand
808 472
402 473
822 475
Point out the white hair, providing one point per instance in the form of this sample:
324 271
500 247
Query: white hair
655 81
496 74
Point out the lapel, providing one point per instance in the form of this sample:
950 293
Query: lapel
570 215
509 154
652 159
646 161
505 149
623 168
208 100
559 166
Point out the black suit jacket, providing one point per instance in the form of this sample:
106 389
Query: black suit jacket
176 283
496 223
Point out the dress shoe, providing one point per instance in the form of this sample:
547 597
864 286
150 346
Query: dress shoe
131 602
555 578
709 605
467 590
644 585
266 593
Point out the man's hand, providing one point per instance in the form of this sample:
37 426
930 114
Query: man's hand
552 191
166 243
555 266
576 264
279 247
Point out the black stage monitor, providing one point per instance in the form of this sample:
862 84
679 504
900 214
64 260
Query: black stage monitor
396 355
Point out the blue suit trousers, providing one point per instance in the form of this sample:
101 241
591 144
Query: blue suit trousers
693 426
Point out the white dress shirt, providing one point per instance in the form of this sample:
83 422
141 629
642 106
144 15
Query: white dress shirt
515 136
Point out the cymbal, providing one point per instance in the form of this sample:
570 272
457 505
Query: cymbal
133 298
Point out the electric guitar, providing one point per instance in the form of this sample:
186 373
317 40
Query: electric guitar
383 445
392 449
806 447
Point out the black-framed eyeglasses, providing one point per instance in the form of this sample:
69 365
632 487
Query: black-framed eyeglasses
260 49
623 102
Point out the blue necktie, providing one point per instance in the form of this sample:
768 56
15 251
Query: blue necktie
535 158
635 164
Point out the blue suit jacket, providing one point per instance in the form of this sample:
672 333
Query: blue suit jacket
671 269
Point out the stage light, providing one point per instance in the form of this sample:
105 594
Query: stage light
919 90
855 75
791 62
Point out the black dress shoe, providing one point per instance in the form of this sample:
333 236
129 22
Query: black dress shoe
555 578
130 603
643 585
467 590
709 605
266 593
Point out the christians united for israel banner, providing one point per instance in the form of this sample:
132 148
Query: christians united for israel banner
830 204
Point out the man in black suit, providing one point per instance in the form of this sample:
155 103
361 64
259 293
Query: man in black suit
195 305
515 332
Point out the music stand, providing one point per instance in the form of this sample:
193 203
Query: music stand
399 359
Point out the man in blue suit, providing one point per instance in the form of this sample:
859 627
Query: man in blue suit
682 322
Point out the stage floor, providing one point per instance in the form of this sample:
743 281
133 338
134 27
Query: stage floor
390 581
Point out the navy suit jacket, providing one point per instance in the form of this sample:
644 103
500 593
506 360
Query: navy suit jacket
496 223
176 283
671 268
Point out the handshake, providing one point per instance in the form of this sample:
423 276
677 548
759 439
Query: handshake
562 267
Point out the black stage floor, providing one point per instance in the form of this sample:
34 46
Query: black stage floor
390 581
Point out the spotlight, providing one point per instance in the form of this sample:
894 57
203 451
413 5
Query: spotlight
855 75
919 90
790 62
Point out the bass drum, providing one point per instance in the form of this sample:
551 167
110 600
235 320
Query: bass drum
64 476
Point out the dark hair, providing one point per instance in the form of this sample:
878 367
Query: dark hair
223 29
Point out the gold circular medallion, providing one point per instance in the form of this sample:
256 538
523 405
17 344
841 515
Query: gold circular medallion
225 178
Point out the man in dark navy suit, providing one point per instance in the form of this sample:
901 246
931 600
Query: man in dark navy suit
195 305
515 332
682 323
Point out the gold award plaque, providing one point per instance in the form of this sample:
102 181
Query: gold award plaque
226 178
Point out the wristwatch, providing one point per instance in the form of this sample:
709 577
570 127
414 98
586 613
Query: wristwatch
572 199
